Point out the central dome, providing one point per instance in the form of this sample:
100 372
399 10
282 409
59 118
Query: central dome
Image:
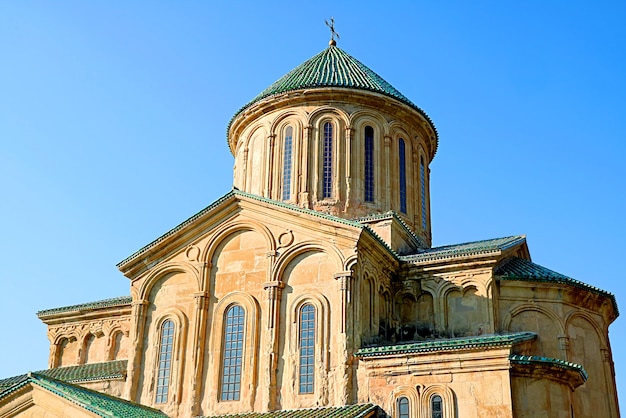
333 67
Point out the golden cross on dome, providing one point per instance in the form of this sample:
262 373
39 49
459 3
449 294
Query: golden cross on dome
333 33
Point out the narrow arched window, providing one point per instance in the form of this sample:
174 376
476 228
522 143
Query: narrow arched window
402 174
287 153
423 190
307 348
369 164
232 353
436 407
403 407
327 177
166 348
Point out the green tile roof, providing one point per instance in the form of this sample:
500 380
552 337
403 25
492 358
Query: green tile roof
348 411
562 364
95 402
495 245
333 67
74 374
238 193
448 344
106 303
516 268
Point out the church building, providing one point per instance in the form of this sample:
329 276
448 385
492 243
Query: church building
312 289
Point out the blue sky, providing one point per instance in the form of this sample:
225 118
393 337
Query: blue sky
113 119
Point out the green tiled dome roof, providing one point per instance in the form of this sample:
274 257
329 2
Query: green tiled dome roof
333 67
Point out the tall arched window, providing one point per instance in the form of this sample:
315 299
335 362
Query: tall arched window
436 407
402 174
369 164
166 348
287 152
307 348
327 177
423 190
232 353
403 407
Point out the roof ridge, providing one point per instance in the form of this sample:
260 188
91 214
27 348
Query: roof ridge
104 303
443 344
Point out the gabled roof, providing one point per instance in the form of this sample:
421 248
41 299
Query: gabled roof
484 247
333 67
516 268
90 306
448 344
82 373
348 411
95 402
240 194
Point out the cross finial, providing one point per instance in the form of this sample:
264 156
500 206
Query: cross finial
333 33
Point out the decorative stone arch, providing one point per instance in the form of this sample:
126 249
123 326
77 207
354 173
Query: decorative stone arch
296 116
151 365
323 112
163 270
237 225
361 118
249 373
447 400
301 248
258 128
525 307
576 314
112 344
409 392
57 349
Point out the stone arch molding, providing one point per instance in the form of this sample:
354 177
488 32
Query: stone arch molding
447 400
529 307
409 392
323 112
362 118
301 248
594 324
295 116
162 270
236 225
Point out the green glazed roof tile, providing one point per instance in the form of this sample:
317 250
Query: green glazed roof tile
516 268
466 249
82 373
447 344
106 303
333 67
95 402
348 411
536 360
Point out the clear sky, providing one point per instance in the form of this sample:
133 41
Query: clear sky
113 118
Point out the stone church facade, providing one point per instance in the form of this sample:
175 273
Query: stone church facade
312 287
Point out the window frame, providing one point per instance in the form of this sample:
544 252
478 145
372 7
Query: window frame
402 190
306 354
368 165
164 366
327 154
287 166
231 390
